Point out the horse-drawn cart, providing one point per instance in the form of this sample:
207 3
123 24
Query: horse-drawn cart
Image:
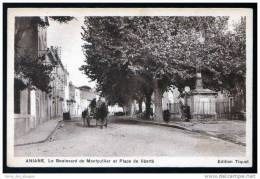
99 114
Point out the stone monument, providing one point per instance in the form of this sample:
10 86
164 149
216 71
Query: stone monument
202 101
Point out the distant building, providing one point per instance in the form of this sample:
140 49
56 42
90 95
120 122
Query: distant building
59 83
77 106
71 101
74 101
114 109
79 99
169 98
66 93
87 94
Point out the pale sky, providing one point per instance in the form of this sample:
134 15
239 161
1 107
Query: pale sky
68 37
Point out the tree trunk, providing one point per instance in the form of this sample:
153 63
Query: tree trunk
140 106
158 113
147 106
125 109
130 108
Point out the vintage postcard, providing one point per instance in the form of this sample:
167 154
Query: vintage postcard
129 87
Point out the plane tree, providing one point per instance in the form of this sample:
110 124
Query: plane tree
162 52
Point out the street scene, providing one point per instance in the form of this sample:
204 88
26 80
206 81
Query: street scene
115 86
125 137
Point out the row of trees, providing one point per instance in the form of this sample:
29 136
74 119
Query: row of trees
131 58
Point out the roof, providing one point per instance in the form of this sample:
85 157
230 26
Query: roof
85 87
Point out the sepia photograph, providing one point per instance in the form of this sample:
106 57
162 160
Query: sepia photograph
135 87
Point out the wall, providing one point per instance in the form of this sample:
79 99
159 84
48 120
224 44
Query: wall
203 105
66 93
60 86
31 42
78 109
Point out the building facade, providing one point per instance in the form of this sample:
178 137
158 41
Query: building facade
30 105
87 94
74 101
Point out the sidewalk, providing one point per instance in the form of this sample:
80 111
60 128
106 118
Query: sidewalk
229 130
39 134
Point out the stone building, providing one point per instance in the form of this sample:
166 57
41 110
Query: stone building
66 93
74 100
59 84
170 101
30 105
77 102
71 100
87 94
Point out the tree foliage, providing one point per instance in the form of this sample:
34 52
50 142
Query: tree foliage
161 52
34 73
105 60
62 19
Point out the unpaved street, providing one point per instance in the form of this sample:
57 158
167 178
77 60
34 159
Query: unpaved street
128 138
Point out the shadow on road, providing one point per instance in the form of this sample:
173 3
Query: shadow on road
80 124
119 120
111 120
